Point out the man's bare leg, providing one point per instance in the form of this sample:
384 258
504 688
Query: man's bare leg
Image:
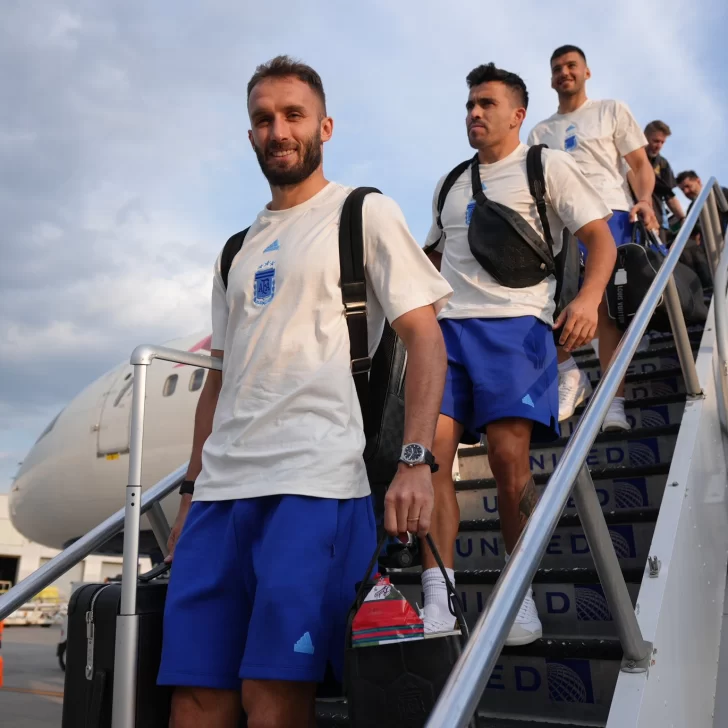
444 527
609 338
279 704
204 708
509 445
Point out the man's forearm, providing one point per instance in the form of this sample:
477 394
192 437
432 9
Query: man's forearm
644 181
204 415
426 368
599 263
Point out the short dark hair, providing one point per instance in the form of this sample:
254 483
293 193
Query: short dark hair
488 72
658 125
285 67
564 49
687 174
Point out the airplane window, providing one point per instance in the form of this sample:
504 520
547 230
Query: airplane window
123 391
196 380
170 385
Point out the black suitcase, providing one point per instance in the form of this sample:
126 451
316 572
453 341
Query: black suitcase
92 613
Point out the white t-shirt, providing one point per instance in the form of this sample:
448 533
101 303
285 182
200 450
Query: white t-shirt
597 135
288 419
571 202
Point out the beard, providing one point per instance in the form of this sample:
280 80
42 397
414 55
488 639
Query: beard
310 156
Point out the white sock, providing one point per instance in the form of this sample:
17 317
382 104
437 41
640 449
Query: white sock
618 401
433 584
568 365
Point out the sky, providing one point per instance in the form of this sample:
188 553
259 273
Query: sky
125 165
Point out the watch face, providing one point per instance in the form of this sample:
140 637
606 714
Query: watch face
413 453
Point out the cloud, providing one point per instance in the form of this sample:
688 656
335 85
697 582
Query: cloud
126 164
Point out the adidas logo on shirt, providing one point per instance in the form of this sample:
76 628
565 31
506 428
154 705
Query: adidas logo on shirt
304 645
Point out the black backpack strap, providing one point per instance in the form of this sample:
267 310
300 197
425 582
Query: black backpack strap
231 249
537 186
354 291
447 184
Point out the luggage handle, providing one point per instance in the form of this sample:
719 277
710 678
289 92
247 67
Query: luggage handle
154 573
454 602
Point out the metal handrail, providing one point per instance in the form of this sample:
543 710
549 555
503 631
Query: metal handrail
459 699
83 547
114 524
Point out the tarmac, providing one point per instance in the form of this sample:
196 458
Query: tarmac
32 691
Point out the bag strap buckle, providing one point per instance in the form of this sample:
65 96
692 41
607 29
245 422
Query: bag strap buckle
361 366
357 307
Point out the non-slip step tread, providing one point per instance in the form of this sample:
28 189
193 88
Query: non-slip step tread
665 351
335 714
542 576
668 373
569 649
611 436
597 474
658 401
613 518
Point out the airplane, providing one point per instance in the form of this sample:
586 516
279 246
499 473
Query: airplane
82 456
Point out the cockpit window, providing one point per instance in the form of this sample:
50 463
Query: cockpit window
129 384
170 385
196 380
49 427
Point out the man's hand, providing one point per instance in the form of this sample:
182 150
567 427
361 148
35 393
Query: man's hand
184 508
409 502
645 211
579 322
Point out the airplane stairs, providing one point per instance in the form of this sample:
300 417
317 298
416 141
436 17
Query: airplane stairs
569 676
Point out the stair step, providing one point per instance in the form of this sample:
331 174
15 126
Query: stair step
570 602
695 334
569 681
648 412
479 544
662 350
656 361
646 446
566 680
617 488
334 714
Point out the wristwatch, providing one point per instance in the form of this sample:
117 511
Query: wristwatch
416 454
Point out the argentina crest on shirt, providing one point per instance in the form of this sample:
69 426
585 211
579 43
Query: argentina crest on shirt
570 142
264 283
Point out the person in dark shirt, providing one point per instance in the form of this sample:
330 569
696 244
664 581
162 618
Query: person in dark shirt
694 253
656 133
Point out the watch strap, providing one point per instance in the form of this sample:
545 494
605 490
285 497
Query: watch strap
187 487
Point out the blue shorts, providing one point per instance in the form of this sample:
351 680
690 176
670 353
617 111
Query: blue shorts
499 368
621 229
619 226
260 589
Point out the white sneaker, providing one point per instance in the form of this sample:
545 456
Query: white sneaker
644 344
527 627
616 419
437 619
574 388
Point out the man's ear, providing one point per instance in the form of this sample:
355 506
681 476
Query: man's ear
327 128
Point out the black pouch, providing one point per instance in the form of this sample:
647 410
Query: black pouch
396 685
504 244
635 269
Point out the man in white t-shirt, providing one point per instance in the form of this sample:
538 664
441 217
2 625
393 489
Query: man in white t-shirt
281 526
601 136
502 373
